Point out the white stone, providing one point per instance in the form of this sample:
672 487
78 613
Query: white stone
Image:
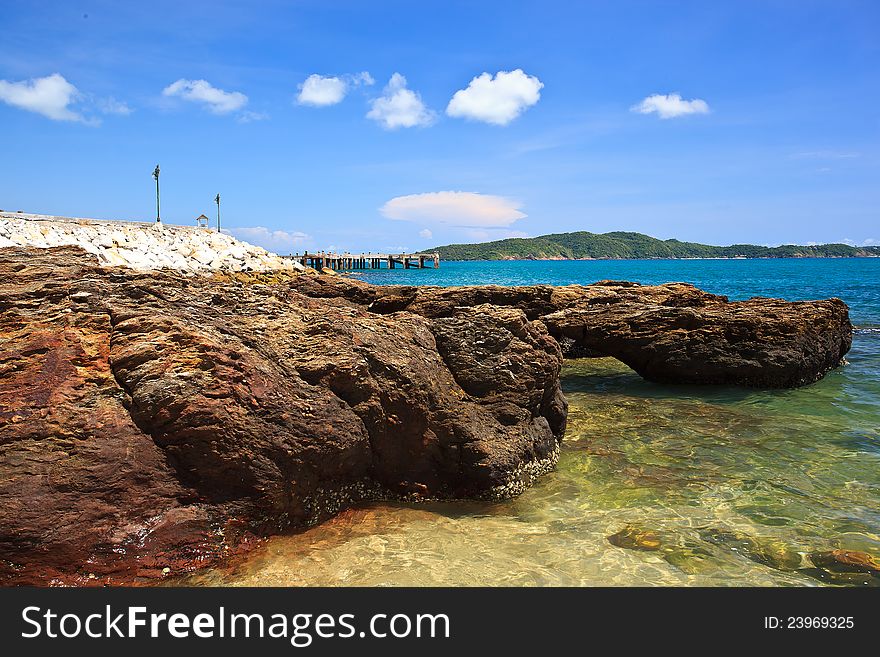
142 246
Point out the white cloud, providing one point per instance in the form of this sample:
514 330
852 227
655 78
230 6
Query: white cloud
277 241
200 91
670 106
463 209
399 107
321 91
426 233
56 98
50 96
363 78
497 100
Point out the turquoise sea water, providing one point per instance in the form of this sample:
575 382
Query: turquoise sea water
656 485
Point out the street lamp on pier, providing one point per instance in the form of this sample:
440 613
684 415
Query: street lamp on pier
156 178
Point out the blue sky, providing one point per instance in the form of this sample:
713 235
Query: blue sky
713 122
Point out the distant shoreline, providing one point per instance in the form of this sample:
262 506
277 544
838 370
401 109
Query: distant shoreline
791 257
584 245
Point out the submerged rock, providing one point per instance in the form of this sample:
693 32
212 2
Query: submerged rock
686 555
152 420
688 558
766 551
845 567
636 538
846 561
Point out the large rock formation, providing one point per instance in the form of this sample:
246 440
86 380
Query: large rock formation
672 333
153 421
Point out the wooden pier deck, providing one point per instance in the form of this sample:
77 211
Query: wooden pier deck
346 261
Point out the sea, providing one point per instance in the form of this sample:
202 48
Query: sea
657 485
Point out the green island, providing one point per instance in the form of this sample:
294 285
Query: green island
620 245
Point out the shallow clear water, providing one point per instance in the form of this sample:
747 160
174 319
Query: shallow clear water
694 485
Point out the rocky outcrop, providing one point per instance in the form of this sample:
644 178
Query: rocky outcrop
152 423
141 246
672 333
760 342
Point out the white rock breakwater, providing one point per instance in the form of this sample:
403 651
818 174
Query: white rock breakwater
142 246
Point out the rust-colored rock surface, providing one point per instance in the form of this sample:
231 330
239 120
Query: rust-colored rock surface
152 422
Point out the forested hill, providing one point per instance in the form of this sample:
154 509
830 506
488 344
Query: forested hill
624 246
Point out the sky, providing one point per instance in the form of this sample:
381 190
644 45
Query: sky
398 126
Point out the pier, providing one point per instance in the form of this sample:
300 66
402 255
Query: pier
346 261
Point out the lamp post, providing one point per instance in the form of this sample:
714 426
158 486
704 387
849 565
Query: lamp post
156 177
217 201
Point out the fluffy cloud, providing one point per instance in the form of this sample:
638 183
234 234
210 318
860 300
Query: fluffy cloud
277 241
321 91
426 233
56 98
670 106
399 107
497 100
50 96
201 91
460 209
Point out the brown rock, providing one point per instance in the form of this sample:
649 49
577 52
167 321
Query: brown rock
761 342
635 538
672 333
846 561
82 488
152 421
